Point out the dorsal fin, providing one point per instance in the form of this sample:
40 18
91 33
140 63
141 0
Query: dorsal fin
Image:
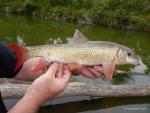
78 38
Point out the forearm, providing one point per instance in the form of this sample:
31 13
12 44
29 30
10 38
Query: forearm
26 76
9 62
28 104
26 73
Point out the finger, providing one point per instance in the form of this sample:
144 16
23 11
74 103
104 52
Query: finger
99 68
59 73
60 69
52 70
85 72
95 72
66 75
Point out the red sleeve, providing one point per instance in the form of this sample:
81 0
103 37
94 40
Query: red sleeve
17 50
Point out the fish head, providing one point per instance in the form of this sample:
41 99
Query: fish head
132 58
128 56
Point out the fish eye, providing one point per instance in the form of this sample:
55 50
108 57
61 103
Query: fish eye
129 54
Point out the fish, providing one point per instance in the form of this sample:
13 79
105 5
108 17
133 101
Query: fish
79 37
79 50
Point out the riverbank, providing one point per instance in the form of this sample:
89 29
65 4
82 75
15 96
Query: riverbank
125 14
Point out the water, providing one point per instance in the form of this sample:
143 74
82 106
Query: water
30 31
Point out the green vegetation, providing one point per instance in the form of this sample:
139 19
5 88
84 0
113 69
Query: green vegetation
129 14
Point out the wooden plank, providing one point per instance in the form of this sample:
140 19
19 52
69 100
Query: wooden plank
11 91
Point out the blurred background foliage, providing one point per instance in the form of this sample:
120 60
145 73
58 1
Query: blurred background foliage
128 14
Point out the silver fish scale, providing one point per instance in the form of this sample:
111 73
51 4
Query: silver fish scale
76 53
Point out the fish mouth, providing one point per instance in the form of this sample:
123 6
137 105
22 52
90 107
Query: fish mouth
134 60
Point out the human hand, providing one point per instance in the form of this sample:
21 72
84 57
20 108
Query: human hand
26 74
91 72
43 88
49 84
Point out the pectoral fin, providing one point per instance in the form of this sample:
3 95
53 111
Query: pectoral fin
108 70
40 66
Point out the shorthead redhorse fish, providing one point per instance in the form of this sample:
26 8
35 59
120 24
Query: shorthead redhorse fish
88 53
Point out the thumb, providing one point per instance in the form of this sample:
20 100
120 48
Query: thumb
52 70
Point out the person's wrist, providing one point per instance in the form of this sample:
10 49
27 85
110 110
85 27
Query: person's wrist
33 99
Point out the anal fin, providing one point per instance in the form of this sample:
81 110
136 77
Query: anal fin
108 70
